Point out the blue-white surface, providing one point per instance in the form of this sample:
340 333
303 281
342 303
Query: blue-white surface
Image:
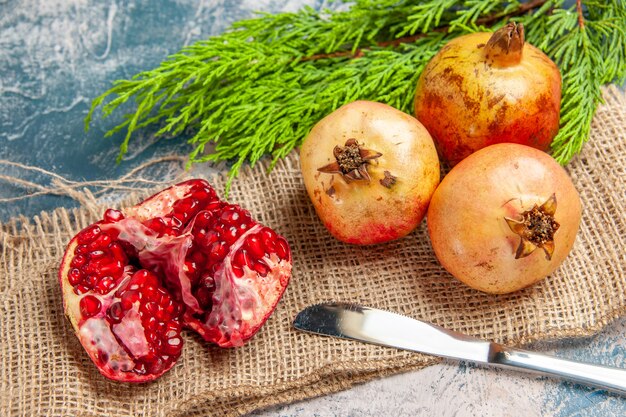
56 55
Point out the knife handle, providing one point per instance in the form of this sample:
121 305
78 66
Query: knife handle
604 377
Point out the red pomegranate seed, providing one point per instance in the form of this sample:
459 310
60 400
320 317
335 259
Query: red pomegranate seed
203 295
238 270
156 367
204 195
96 266
129 298
162 296
139 277
112 216
230 215
214 206
153 340
91 281
177 221
198 257
80 289
268 236
89 306
190 268
105 285
151 324
115 312
150 293
208 239
114 269
118 252
282 248
102 241
199 235
201 195
78 261
255 247
203 219
88 235
157 224
173 309
172 329
173 346
218 251
261 268
75 276
231 235
242 258
151 308
183 206
160 329
96 254
164 299
145 278
81 249
161 315
187 207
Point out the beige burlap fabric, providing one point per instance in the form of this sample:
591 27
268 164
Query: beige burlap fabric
46 372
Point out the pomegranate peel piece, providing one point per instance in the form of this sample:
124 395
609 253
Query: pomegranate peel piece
181 258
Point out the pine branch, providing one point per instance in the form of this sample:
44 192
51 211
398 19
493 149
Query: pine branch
590 52
258 88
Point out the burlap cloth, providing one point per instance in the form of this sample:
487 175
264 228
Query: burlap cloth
46 372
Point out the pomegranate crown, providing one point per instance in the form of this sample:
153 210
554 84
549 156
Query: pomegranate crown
505 46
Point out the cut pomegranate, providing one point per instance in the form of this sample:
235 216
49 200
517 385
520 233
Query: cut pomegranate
180 258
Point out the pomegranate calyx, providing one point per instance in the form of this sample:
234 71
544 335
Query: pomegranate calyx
536 229
504 48
351 161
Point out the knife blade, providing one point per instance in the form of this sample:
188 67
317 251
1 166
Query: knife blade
385 328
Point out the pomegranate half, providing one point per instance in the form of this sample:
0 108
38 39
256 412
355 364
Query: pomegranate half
181 258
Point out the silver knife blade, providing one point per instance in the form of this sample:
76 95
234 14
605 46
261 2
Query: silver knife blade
370 325
384 328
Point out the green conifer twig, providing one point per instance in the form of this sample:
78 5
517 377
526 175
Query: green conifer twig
258 88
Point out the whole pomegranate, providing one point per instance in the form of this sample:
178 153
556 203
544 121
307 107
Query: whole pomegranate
504 218
487 88
370 171
181 258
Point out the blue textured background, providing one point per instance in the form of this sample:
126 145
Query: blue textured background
55 56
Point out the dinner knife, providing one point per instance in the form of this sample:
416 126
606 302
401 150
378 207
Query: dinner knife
384 328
